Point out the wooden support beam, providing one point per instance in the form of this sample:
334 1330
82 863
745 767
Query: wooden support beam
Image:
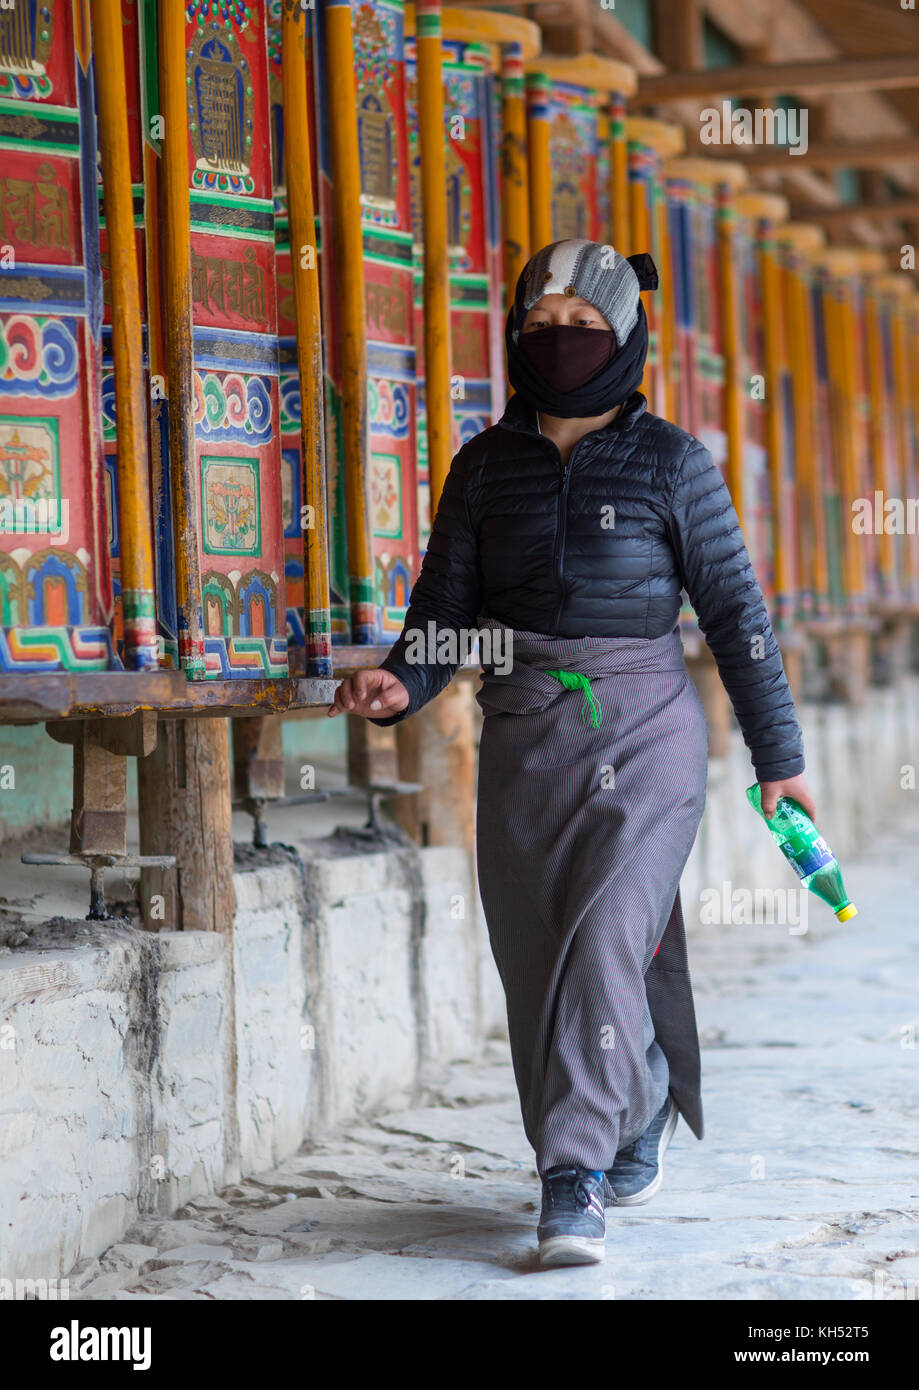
436 747
831 154
99 817
372 756
258 757
133 736
818 75
701 665
895 208
678 33
848 657
184 799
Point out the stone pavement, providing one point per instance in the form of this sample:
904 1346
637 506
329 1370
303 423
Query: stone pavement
805 1186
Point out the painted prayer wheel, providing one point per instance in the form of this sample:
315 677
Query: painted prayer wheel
841 391
768 458
474 67
306 515
900 309
870 263
233 514
650 144
797 244
701 194
578 147
56 596
514 174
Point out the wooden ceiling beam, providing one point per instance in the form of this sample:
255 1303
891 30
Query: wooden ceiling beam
823 75
836 154
678 33
895 208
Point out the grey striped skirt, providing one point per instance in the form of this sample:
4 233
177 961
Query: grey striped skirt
582 833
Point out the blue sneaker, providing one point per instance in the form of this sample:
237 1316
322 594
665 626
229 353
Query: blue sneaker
572 1226
637 1172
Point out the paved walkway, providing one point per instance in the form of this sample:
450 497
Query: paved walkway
806 1185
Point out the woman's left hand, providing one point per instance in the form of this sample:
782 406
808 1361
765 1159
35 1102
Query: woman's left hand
792 786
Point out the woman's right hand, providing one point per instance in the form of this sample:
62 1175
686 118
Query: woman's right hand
375 693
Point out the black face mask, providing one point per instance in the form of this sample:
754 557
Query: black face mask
568 355
615 381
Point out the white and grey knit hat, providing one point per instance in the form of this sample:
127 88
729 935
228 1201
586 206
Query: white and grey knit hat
591 269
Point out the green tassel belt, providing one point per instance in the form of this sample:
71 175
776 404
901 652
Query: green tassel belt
574 680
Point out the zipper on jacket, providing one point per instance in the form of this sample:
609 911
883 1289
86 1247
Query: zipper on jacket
560 530
561 520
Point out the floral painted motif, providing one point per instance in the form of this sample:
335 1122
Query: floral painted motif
230 509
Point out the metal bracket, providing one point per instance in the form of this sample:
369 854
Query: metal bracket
97 865
375 793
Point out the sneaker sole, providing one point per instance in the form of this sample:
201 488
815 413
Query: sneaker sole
637 1199
571 1250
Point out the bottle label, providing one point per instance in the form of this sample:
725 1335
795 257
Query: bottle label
809 858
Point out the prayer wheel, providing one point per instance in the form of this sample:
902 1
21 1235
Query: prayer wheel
650 144
768 457
56 591
709 367
797 243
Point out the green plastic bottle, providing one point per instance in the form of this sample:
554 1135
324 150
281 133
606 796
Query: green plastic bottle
806 851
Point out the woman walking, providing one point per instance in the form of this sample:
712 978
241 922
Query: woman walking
569 529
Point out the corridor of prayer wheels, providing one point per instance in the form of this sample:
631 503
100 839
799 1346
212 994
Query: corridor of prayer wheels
255 265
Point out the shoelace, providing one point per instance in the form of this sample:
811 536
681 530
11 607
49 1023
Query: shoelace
581 1190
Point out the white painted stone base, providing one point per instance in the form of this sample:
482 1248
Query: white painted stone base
356 976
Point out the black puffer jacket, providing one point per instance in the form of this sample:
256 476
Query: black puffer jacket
519 537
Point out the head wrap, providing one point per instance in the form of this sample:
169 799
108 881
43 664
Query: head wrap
613 284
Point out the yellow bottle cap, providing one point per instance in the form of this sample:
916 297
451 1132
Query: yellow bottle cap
844 913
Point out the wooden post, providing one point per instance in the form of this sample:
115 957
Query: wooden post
649 143
619 173
184 799
348 239
98 820
134 514
515 203
910 320
538 91
437 371
765 211
372 752
304 269
895 290
732 347
176 232
436 748
882 425
667 314
716 702
840 265
800 240
678 34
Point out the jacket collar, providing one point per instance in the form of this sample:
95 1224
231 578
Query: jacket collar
520 415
